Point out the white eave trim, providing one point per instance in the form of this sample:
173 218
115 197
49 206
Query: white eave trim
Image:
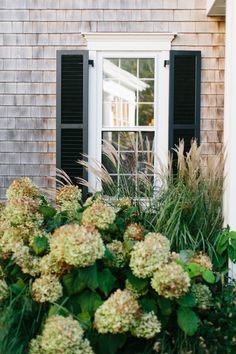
129 41
216 7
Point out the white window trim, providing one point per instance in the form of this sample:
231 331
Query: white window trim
100 45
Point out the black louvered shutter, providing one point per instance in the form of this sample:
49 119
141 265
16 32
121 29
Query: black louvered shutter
184 109
72 111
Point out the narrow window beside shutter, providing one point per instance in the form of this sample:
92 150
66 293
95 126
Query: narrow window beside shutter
72 111
184 110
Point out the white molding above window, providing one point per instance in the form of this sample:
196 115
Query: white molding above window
128 41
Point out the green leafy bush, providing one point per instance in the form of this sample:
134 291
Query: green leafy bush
94 278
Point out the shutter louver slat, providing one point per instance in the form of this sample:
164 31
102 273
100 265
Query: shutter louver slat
72 120
184 112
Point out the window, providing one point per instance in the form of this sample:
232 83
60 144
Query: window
128 115
124 91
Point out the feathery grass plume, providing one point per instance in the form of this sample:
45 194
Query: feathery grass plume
140 184
189 205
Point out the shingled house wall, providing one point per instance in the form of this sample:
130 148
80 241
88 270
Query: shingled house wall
32 30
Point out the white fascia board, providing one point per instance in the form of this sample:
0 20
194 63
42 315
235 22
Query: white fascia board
129 41
216 7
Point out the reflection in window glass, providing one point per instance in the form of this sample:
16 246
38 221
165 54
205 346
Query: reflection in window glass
126 83
128 104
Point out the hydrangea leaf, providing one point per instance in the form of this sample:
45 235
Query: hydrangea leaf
187 300
89 301
47 211
148 305
73 283
232 254
85 320
138 283
165 305
40 245
57 309
194 270
106 281
110 343
89 276
222 242
208 276
187 320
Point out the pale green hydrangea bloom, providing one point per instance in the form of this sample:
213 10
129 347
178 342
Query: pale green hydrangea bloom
47 289
4 291
147 326
49 264
202 295
10 241
77 245
99 214
28 263
61 335
171 281
134 232
117 314
68 199
22 187
203 260
117 250
149 255
123 203
23 212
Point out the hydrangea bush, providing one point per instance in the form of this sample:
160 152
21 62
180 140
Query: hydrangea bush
89 278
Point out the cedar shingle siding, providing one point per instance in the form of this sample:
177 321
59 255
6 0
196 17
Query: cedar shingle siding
32 30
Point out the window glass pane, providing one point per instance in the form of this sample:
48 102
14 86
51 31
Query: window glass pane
111 138
146 114
127 141
145 141
127 82
111 165
147 95
146 68
145 162
129 65
128 162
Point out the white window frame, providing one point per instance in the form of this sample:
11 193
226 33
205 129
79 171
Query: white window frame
135 45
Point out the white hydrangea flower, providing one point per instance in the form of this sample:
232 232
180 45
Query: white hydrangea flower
147 326
134 232
79 246
99 214
23 212
149 255
61 335
68 199
28 263
171 281
22 187
123 203
117 314
49 264
47 289
203 260
202 295
117 250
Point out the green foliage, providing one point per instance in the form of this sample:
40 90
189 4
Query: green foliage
181 212
225 248
187 320
40 245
